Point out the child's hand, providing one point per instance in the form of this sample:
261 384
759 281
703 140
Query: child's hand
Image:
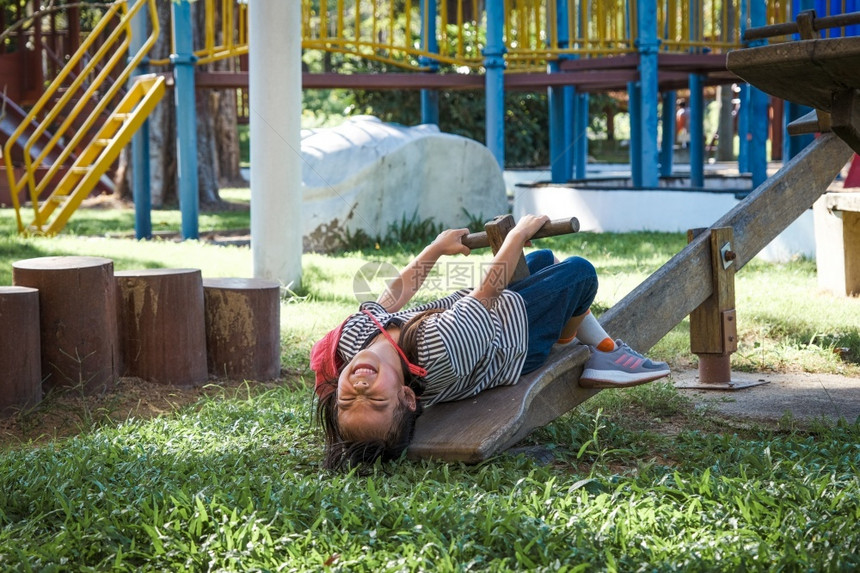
450 242
527 226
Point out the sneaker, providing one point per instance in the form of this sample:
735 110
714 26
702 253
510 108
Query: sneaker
620 368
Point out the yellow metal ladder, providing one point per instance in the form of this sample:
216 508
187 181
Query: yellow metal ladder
115 133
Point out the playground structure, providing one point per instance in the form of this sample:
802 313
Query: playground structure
650 49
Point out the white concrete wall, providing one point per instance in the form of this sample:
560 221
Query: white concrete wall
643 210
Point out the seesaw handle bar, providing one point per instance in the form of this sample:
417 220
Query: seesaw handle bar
550 229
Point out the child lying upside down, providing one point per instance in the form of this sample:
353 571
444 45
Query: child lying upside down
382 366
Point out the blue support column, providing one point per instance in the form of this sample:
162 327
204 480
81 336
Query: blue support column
580 153
695 121
759 103
140 141
559 129
667 144
183 61
648 45
793 144
634 109
569 95
429 98
559 100
696 125
494 63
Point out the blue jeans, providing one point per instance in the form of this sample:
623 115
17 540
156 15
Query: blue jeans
553 293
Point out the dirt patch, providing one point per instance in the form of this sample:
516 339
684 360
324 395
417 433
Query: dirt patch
66 412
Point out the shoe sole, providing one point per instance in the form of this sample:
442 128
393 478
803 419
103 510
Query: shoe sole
589 380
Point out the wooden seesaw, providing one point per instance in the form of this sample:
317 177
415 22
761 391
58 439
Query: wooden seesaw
475 429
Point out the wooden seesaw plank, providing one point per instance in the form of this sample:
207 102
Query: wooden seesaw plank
476 429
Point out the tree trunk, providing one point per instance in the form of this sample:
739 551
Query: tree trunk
226 134
725 144
162 126
207 153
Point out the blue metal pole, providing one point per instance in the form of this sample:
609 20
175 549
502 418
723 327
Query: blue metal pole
494 63
759 102
140 142
569 95
793 144
581 137
696 125
667 144
429 98
580 157
560 105
555 101
648 44
634 110
186 117
695 121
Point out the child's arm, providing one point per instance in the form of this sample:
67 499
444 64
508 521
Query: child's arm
501 270
404 287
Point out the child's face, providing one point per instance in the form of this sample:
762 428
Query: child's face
369 390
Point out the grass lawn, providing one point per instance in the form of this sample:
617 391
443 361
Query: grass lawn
227 477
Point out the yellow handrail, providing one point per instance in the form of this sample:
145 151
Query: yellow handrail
116 45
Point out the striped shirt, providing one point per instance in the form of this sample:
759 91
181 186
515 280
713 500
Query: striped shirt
466 349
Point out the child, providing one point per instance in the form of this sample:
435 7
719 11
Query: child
377 371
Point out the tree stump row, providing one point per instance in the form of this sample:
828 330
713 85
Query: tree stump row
74 323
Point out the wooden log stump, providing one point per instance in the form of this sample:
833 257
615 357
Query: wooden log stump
243 328
161 322
78 326
20 362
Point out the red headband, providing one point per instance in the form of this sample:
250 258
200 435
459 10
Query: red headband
326 363
413 368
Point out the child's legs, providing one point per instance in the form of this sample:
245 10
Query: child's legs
554 294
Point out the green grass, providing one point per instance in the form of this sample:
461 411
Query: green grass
639 479
234 485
